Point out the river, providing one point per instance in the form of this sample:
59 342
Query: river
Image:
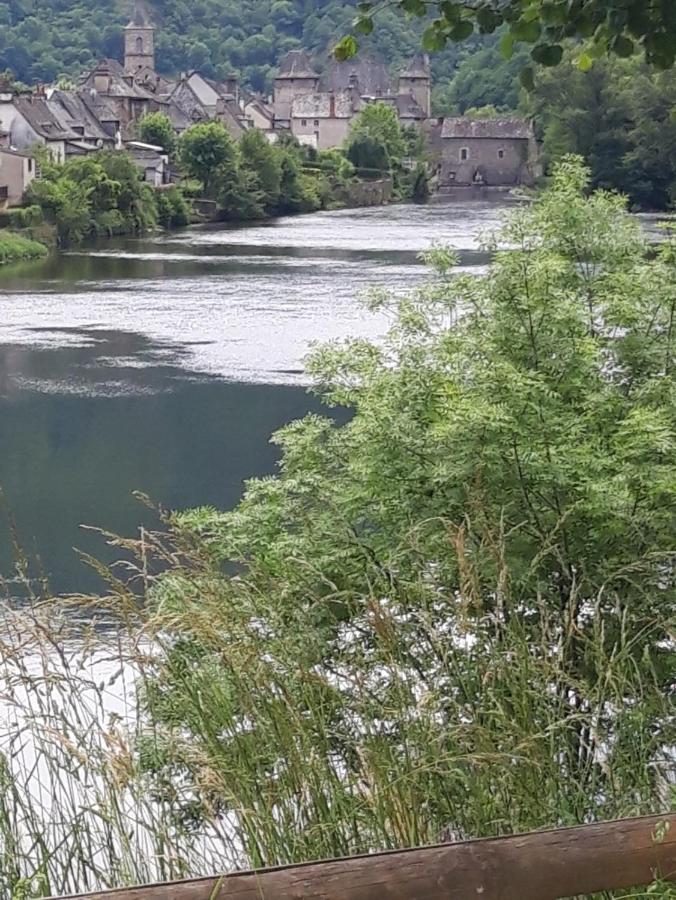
163 364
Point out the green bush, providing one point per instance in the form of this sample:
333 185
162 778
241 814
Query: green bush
21 217
173 210
15 247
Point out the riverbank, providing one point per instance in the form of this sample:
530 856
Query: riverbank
17 248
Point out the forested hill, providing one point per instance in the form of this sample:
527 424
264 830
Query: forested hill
41 40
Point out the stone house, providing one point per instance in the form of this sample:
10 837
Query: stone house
257 113
322 120
493 152
17 170
152 162
28 120
129 99
296 78
318 109
76 114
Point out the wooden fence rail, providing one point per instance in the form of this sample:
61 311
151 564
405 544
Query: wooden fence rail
540 865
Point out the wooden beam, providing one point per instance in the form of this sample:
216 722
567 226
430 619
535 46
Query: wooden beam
540 865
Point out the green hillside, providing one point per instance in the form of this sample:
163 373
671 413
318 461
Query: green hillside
41 40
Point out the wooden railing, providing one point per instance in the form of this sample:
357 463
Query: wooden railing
540 865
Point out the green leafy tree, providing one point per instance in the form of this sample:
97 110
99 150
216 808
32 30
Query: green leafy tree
545 24
156 128
380 122
261 159
206 151
619 117
450 614
367 152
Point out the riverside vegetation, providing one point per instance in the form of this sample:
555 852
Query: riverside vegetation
103 194
450 617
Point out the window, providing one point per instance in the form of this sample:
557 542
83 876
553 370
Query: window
139 45
464 154
316 123
30 164
303 122
501 154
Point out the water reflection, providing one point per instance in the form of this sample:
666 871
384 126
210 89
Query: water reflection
83 427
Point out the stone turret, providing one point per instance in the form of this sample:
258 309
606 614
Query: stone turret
415 81
296 77
139 42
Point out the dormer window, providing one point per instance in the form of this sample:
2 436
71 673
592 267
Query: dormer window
464 154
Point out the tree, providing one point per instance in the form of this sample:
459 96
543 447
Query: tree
206 150
366 152
380 123
451 613
156 128
546 24
259 157
619 117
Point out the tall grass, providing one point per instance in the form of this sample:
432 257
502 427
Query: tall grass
196 728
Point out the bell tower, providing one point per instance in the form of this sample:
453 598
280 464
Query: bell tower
139 42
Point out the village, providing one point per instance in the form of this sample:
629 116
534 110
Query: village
103 110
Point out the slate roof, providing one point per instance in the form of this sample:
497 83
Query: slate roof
36 111
119 81
463 127
418 67
319 106
73 113
139 18
296 64
368 71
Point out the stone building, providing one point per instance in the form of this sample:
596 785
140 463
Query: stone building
296 78
18 168
28 121
493 152
139 44
322 120
318 108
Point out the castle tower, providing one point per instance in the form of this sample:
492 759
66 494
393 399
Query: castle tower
296 77
415 80
139 43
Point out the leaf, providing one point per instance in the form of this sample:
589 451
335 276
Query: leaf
413 7
527 78
363 25
462 30
584 62
346 48
526 31
488 20
433 38
506 45
622 46
547 54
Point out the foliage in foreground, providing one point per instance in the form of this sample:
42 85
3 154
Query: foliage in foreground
452 613
449 617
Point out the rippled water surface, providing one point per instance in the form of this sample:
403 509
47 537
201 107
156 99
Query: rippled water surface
163 364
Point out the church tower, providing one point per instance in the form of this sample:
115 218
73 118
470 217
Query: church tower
139 43
415 81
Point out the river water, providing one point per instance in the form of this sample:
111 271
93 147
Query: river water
163 364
